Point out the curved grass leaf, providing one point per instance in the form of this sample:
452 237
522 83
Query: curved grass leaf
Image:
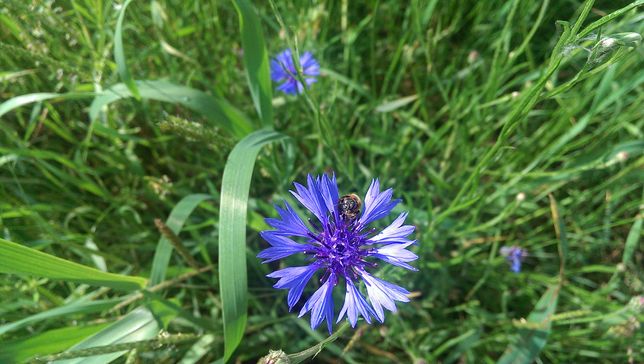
16 102
533 338
256 61
632 240
77 307
232 234
137 325
21 260
119 54
175 222
48 342
217 110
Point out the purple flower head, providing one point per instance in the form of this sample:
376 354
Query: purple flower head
341 247
514 256
283 71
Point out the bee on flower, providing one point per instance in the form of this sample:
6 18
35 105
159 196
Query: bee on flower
342 250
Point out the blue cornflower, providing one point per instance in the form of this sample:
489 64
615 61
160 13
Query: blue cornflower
515 256
283 71
340 246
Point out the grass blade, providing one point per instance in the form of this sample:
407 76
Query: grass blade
21 260
217 110
232 234
22 100
175 221
48 342
138 325
77 307
533 337
119 54
256 61
632 240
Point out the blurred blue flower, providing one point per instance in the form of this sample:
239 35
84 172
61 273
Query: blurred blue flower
340 245
283 71
515 256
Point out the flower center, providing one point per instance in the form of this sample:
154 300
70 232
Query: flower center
339 250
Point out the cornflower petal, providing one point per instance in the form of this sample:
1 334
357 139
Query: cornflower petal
396 254
294 279
396 232
311 198
291 224
321 305
281 247
376 204
330 195
383 294
355 304
515 256
283 70
310 66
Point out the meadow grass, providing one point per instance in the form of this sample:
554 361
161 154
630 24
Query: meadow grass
498 123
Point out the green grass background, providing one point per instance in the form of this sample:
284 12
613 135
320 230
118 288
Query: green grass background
440 100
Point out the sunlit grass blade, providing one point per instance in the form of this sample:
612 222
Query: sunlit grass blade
256 61
175 221
119 54
22 100
48 342
232 234
533 337
76 307
562 236
198 350
632 240
217 110
138 325
21 260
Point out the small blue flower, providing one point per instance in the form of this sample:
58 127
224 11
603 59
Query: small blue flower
283 71
515 256
342 247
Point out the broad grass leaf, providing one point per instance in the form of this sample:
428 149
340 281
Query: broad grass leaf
632 240
215 109
256 61
175 221
21 260
48 342
81 306
137 325
232 234
16 102
531 340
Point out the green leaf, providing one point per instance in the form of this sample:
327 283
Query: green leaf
533 338
256 61
632 240
119 54
217 110
21 260
393 105
175 221
232 234
135 326
607 18
48 342
198 350
562 236
81 306
21 100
